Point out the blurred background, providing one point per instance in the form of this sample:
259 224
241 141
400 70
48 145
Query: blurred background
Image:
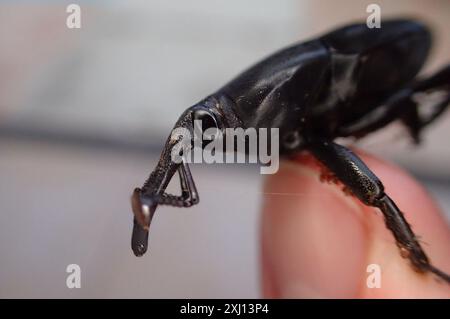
84 114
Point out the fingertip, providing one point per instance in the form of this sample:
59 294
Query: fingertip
313 239
318 242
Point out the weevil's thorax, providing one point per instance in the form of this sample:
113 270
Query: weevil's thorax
277 91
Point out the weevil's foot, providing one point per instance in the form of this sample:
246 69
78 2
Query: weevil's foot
143 208
421 264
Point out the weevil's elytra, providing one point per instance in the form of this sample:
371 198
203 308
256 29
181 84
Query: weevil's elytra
347 83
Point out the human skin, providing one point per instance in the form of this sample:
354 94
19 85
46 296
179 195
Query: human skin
317 242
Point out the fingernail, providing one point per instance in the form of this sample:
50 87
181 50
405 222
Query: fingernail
313 236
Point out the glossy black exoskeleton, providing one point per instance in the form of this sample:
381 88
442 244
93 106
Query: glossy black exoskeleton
346 83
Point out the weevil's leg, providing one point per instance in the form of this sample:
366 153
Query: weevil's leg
438 83
363 183
146 199
143 200
189 195
148 204
144 207
407 106
188 188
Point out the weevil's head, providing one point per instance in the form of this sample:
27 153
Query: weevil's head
197 119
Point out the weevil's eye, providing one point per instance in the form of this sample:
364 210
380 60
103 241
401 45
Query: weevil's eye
206 118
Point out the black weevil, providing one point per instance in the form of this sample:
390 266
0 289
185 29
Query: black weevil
346 83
